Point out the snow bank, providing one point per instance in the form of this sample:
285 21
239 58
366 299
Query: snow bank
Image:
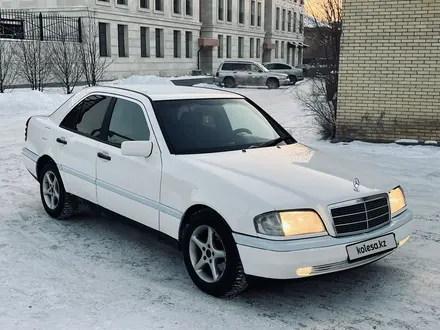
24 102
141 80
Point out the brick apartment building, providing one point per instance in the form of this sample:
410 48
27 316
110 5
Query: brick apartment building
389 84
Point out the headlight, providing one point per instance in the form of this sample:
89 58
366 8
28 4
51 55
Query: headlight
289 223
397 200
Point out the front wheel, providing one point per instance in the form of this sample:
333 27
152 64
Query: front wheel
272 83
211 256
293 79
56 201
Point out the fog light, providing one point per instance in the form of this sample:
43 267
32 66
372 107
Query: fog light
404 241
306 271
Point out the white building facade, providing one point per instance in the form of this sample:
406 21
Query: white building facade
175 37
284 28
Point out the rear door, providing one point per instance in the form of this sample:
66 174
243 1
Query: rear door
240 73
77 143
129 185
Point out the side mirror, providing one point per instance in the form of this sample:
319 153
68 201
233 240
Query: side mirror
137 148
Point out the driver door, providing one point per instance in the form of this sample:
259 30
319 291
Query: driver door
255 75
129 185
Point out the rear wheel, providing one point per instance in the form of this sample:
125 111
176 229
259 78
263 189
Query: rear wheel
211 256
56 201
272 83
229 82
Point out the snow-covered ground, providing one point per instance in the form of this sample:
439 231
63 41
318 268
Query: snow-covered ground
94 272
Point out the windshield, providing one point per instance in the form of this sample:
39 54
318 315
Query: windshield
215 125
262 67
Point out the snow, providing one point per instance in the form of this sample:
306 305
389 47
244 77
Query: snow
407 141
136 79
150 79
94 272
310 22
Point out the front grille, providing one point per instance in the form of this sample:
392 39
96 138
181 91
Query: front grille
361 215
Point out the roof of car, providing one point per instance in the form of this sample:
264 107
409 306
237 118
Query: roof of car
172 92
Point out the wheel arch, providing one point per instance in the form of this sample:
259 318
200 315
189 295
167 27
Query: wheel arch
41 162
187 215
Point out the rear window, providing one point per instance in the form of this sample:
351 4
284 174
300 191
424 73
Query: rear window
236 67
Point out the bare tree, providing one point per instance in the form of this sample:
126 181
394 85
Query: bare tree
323 102
65 55
94 65
35 64
8 61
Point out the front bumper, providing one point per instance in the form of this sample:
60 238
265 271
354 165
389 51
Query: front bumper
284 82
326 254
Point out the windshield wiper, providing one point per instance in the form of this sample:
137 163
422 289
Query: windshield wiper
271 143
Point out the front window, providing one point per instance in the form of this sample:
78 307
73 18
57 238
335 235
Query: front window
215 125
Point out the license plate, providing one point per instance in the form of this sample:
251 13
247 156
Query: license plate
370 247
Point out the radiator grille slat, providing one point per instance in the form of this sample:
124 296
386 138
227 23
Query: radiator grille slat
361 216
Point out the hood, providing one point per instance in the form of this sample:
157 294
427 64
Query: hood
292 175
277 74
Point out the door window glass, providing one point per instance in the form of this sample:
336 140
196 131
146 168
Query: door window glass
127 123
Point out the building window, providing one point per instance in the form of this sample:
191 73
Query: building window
188 44
289 22
221 10
229 11
177 41
259 14
103 39
301 23
122 40
145 41
220 46
159 43
253 12
258 50
144 4
283 24
122 2
277 19
176 6
241 11
251 47
282 49
294 22
158 5
276 49
228 46
188 7
240 47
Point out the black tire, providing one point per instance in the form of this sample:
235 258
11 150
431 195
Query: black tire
67 203
233 279
229 82
293 79
272 83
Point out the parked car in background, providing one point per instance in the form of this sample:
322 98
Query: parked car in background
214 171
295 74
247 73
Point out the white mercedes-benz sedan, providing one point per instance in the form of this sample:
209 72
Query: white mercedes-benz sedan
214 171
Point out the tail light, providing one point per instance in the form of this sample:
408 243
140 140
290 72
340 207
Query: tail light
217 74
26 129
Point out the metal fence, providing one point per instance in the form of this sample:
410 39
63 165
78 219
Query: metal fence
29 25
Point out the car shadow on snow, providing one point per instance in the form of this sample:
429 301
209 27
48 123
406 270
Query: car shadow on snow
153 258
360 280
